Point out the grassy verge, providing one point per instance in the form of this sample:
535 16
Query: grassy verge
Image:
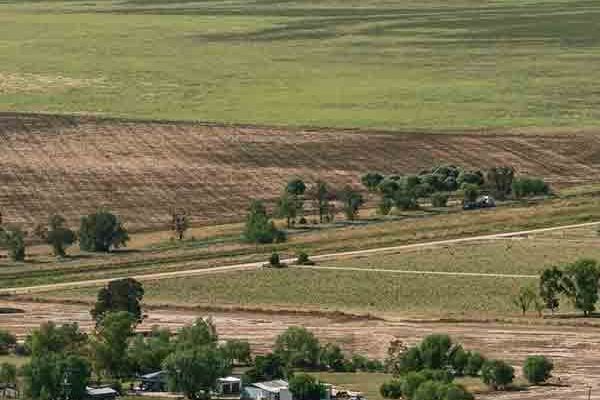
401 231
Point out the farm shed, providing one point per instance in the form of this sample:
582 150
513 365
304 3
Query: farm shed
154 382
101 393
229 385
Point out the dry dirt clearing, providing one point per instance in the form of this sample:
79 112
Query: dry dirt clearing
142 170
575 350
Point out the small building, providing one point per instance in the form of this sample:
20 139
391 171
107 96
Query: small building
100 393
271 390
154 382
229 385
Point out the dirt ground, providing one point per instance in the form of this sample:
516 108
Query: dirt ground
574 349
143 170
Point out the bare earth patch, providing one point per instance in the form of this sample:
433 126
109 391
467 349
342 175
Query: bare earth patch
18 83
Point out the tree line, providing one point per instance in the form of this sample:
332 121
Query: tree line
428 370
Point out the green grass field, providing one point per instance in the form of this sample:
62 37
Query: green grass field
431 65
387 292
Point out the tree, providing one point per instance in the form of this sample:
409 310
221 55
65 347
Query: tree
474 364
179 224
259 228
435 351
295 187
8 375
55 376
7 341
237 352
298 348
321 195
537 369
266 368
66 339
286 207
411 383
406 199
497 374
391 389
194 371
523 187
410 360
580 283
120 295
500 180
470 193
305 387
428 390
13 239
147 354
57 235
372 180
202 332
352 202
459 360
101 232
439 200
551 287
332 358
524 299
111 342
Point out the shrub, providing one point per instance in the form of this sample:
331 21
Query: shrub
391 389
275 261
439 200
524 187
497 374
459 360
470 177
303 259
385 206
537 369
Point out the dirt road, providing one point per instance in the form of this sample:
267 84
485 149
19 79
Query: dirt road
575 350
322 257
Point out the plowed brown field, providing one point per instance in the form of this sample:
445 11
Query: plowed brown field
142 170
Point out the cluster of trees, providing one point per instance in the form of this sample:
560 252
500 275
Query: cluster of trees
577 281
98 232
261 229
290 204
297 349
427 370
404 192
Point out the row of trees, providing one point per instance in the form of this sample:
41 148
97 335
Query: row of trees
427 370
98 232
403 192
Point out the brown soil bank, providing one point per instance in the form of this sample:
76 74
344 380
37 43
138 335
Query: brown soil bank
142 170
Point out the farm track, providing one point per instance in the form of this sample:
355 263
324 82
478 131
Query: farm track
322 257
144 170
